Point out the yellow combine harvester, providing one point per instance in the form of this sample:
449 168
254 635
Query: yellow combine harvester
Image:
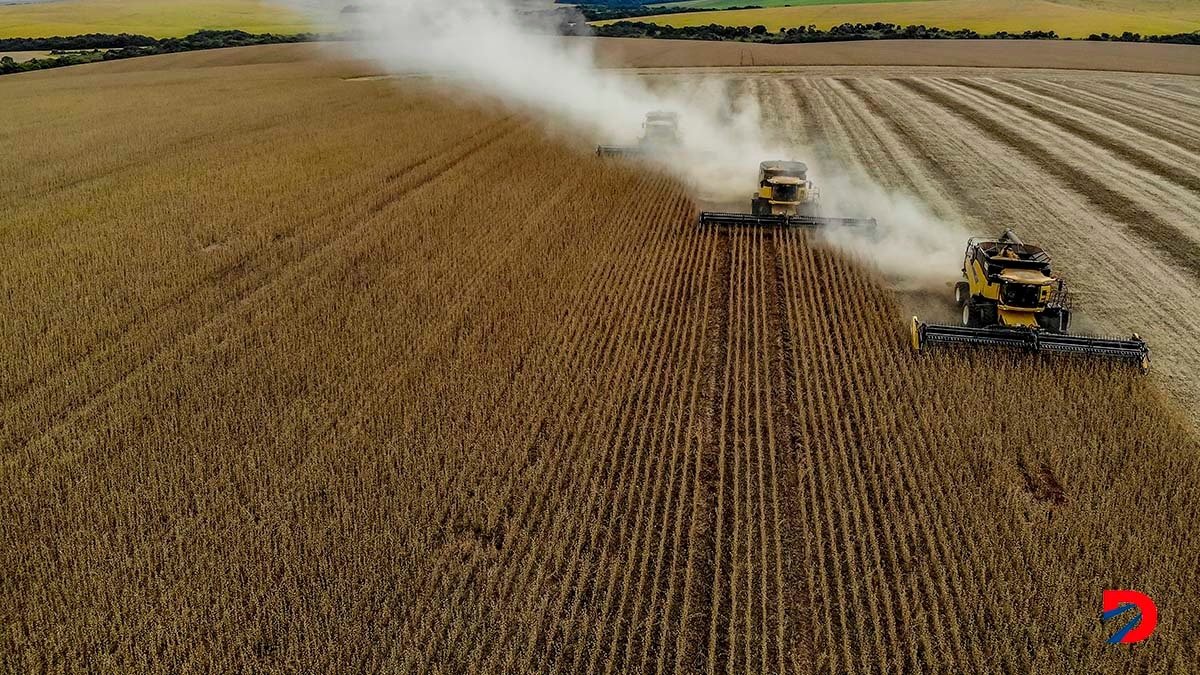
660 132
784 188
1010 298
785 198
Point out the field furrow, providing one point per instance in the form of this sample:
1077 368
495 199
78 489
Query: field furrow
231 265
62 393
1178 99
557 469
1143 206
1102 111
1157 178
577 434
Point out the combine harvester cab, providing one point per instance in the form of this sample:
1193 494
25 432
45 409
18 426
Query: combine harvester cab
784 188
785 198
1010 298
660 135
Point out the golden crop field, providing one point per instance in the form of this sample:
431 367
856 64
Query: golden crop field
304 372
155 18
990 16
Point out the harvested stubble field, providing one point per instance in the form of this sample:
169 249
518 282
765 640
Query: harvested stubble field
273 399
1058 54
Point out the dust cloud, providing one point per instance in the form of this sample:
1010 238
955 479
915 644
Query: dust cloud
499 49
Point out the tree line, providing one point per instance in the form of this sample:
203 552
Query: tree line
631 10
77 49
91 47
851 32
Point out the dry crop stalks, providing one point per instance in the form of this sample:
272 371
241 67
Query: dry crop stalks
566 432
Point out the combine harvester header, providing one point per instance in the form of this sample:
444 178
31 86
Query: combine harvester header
779 220
660 135
1133 349
785 198
1010 298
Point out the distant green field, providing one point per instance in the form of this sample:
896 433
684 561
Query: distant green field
723 4
1068 19
156 18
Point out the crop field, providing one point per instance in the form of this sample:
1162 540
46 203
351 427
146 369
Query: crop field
726 4
1185 9
23 56
277 395
174 18
989 16
1039 54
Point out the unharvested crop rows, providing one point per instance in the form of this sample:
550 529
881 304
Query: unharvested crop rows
1103 178
372 428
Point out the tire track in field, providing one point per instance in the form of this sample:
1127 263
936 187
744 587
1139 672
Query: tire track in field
852 430
79 401
531 514
719 619
757 617
878 483
546 443
700 579
738 443
231 138
842 488
1136 101
847 445
962 584
796 591
630 495
1142 160
1146 122
643 436
749 624
835 135
436 338
874 153
240 265
690 387
1162 236
782 434
647 437
1191 92
1169 202
814 116
768 480
159 318
573 432
685 434
835 590
593 349
799 92
910 137
1182 100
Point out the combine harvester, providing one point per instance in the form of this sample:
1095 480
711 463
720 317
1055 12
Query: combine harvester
1010 298
785 198
660 133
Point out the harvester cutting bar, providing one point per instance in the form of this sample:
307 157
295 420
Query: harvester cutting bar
780 220
619 151
1133 349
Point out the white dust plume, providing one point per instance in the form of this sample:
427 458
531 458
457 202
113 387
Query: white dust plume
911 246
495 48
